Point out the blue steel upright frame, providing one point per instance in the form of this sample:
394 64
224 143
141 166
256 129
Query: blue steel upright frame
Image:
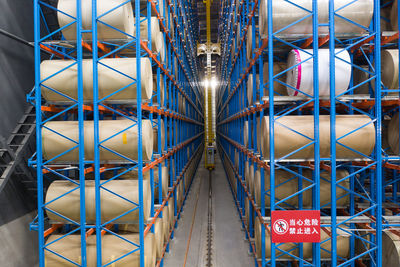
365 179
175 74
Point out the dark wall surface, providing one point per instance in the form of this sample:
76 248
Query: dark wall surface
16 80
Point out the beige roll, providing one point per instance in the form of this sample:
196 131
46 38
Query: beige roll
287 141
285 13
246 173
390 249
113 248
236 159
162 89
159 237
390 70
166 222
251 179
164 181
259 134
286 185
342 246
121 18
125 141
393 17
279 89
250 82
249 43
155 136
247 212
109 80
246 134
112 206
393 134
171 212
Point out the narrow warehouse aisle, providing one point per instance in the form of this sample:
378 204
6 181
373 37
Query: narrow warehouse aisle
229 247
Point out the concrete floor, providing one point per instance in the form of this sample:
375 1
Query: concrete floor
229 245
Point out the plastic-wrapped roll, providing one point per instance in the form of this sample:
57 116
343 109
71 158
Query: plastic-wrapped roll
279 89
124 140
111 205
354 131
393 17
250 82
301 77
284 14
162 90
155 136
113 247
249 43
393 134
286 185
109 81
171 212
342 246
390 249
120 18
360 76
246 134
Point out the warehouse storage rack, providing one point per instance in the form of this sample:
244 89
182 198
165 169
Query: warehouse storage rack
174 102
369 187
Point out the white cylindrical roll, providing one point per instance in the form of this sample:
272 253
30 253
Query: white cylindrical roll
246 134
166 222
286 185
247 211
246 173
125 143
393 134
111 205
279 89
162 90
284 13
155 136
301 77
113 248
120 18
65 81
251 179
156 41
164 181
354 131
342 248
159 237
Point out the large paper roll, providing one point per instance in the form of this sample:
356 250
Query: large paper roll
250 84
390 69
301 77
393 134
112 248
166 222
155 136
162 90
249 43
122 75
390 249
247 212
120 18
347 129
342 246
246 134
394 21
284 13
251 179
279 89
236 159
125 143
111 205
156 40
171 212
286 184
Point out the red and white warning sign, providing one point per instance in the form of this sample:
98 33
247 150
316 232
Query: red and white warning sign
297 226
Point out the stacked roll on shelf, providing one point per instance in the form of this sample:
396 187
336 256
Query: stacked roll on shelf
300 106
118 133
